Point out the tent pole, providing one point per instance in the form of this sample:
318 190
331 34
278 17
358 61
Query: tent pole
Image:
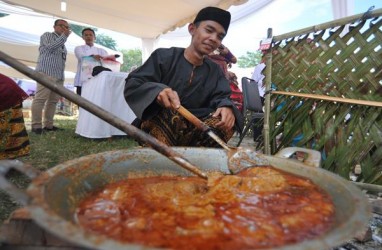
268 81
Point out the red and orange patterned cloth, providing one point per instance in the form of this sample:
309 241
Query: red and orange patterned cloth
14 139
10 93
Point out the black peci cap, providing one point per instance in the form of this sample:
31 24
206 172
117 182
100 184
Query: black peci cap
220 16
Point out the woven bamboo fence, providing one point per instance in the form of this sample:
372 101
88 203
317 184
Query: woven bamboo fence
325 93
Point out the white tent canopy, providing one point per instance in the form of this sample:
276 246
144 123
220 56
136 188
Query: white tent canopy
145 19
149 20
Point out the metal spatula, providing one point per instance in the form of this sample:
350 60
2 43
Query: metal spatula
239 158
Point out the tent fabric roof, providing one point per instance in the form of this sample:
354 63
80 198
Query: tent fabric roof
20 31
143 19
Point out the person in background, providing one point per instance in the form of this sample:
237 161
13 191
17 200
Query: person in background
186 76
14 139
258 76
51 61
224 58
88 49
228 56
237 94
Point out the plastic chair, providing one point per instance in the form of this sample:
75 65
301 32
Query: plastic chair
252 103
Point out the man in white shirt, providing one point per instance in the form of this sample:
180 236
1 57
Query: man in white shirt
258 76
86 50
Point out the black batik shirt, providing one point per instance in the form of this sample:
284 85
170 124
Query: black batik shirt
201 89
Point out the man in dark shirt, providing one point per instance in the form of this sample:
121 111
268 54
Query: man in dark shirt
177 76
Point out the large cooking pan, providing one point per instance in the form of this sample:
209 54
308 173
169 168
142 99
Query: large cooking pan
53 195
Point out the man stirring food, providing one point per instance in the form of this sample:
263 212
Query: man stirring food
186 76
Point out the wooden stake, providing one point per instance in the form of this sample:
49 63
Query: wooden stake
330 98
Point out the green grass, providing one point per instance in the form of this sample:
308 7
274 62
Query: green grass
50 149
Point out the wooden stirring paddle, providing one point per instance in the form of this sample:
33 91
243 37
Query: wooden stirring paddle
238 157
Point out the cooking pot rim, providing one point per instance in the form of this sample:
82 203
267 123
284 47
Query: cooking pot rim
50 220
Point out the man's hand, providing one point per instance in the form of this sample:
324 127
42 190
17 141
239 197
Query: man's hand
168 98
227 118
67 31
97 57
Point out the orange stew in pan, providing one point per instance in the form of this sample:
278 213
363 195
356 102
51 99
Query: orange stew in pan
260 207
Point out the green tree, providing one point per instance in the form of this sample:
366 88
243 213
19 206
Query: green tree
77 29
131 58
106 41
251 59
101 39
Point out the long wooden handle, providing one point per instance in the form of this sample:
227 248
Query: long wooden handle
202 126
193 119
103 114
330 98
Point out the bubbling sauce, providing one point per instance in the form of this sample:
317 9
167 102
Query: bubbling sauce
260 207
